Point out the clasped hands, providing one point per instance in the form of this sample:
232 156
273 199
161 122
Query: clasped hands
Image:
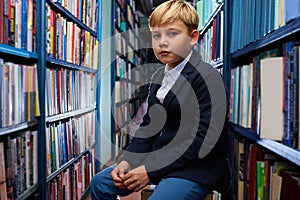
134 179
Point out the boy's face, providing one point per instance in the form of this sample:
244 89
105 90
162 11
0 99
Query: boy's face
172 42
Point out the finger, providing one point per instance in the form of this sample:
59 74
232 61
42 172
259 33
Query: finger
126 176
136 186
128 182
119 185
114 174
132 186
121 173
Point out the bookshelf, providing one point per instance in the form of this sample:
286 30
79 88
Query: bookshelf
128 73
210 43
18 130
265 37
51 52
71 112
211 31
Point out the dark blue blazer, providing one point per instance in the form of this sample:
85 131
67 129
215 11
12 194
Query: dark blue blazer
185 136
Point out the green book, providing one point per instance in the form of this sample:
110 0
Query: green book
260 180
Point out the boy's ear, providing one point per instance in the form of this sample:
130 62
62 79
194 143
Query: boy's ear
194 37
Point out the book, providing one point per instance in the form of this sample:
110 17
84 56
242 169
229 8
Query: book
9 169
298 64
241 170
290 184
255 155
1 92
5 95
271 71
291 9
3 193
276 187
1 20
29 27
260 180
18 24
24 24
12 21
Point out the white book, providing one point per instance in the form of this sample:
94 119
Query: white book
18 24
11 97
271 98
16 92
29 25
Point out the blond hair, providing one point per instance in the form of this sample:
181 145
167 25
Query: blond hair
172 10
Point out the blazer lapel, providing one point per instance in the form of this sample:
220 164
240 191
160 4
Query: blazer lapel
157 80
182 79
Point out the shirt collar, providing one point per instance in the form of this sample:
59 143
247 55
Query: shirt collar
175 71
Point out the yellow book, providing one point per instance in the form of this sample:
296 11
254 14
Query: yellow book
276 187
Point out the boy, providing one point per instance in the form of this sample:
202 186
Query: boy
181 143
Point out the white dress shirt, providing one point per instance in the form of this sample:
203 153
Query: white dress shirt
171 75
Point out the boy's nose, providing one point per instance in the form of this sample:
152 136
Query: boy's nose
163 42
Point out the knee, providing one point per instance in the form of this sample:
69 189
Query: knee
95 185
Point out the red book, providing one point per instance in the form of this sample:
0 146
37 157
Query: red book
1 21
3 194
53 26
255 155
86 171
290 184
255 87
214 39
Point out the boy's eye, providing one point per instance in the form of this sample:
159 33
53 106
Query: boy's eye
173 34
156 36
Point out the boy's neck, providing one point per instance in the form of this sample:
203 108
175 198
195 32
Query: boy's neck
184 61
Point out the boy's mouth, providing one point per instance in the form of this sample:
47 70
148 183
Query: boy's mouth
164 52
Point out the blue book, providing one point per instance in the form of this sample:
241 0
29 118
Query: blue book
271 25
233 29
291 9
24 25
252 20
64 143
258 20
294 95
58 34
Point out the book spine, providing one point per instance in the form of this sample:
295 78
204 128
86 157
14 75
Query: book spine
5 93
18 24
12 22
3 194
1 92
30 20
1 21
24 24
